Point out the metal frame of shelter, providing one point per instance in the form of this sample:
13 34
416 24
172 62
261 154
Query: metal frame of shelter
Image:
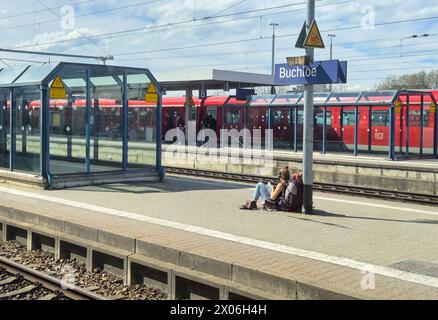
42 76
325 100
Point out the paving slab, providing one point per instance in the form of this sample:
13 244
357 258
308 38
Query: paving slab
354 247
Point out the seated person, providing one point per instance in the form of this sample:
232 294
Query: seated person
267 192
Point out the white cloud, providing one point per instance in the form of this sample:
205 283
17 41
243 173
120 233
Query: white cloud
359 46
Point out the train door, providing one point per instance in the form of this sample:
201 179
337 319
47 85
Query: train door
258 120
211 118
379 129
283 127
235 120
5 139
348 119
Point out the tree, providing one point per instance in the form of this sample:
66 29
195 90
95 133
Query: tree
419 80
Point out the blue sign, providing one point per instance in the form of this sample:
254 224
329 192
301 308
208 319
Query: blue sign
243 94
318 72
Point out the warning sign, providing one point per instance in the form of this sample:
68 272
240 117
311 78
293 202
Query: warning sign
314 38
152 94
433 107
57 89
398 106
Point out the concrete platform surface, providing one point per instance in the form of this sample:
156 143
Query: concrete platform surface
358 247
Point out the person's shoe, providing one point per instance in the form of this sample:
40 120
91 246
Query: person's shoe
249 205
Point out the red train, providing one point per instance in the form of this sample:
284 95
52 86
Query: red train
219 112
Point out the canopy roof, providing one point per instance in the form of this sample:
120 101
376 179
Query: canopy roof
38 75
363 98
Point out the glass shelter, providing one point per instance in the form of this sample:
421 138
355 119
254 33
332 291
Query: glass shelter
102 127
398 124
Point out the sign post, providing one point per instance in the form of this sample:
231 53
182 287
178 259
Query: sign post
308 121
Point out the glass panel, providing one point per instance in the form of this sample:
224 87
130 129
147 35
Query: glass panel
261 100
35 74
300 128
7 76
67 127
347 130
319 98
334 127
429 121
287 99
379 134
5 138
344 97
106 120
27 129
365 135
378 97
142 123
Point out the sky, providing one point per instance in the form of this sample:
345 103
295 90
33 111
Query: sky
188 37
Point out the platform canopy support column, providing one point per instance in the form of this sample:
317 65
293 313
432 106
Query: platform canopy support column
356 131
125 121
422 126
188 113
435 135
391 150
408 107
308 124
87 123
12 131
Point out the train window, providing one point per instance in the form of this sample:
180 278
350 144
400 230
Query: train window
320 118
348 118
380 118
232 117
415 117
281 116
300 117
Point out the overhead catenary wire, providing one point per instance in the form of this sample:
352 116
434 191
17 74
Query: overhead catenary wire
179 24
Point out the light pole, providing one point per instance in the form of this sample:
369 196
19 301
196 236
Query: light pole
331 54
273 25
308 124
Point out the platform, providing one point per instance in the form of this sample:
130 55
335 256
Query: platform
352 248
409 176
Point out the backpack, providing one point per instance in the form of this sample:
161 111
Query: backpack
291 200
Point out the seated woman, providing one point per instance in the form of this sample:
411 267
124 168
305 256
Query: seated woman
267 192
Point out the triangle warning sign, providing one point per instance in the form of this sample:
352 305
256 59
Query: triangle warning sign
57 83
57 89
152 94
314 38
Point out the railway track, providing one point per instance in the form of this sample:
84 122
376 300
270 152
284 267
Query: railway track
19 280
321 187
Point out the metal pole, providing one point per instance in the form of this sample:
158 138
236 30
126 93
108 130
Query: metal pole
408 107
12 130
308 125
331 55
422 126
273 53
87 123
125 112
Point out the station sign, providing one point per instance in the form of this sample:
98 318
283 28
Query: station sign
318 72
57 89
151 94
203 94
243 94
